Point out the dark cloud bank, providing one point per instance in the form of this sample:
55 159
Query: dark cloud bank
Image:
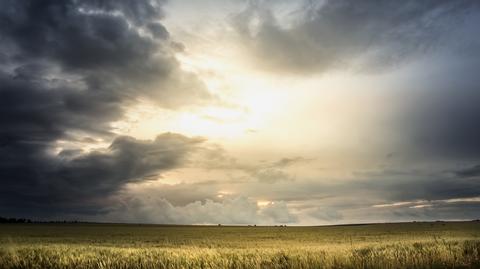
68 69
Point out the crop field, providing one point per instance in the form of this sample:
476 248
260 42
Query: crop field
408 245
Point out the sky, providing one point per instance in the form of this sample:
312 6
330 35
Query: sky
262 112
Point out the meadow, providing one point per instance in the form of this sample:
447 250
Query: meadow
403 245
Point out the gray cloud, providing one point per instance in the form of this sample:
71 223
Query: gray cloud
329 214
270 175
370 35
235 210
284 162
74 182
442 124
182 193
264 171
424 184
470 172
68 70
377 195
448 195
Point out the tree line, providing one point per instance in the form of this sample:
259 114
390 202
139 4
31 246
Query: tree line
24 220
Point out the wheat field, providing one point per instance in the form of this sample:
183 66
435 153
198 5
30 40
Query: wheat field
406 245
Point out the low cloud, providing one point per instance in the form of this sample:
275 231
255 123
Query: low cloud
236 210
469 172
75 182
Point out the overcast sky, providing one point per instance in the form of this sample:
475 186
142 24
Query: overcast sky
240 112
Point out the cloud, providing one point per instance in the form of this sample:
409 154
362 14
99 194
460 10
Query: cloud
118 48
271 175
379 195
470 172
75 182
346 34
386 195
457 209
235 210
266 172
68 71
326 214
277 212
442 124
180 194
285 162
430 184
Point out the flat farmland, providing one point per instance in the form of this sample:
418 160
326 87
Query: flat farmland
401 245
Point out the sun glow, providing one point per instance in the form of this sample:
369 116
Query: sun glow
244 103
146 121
262 203
214 122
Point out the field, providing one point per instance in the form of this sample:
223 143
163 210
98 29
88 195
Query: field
408 245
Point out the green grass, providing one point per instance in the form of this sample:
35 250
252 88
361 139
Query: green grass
412 245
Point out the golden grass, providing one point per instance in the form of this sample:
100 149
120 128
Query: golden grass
416 245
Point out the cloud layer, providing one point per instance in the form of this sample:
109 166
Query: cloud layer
68 70
367 35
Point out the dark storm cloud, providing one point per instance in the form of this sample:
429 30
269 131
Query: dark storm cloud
389 186
396 195
432 184
68 70
101 44
74 182
331 34
441 111
444 120
473 171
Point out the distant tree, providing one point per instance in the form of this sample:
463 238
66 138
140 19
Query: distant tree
14 220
